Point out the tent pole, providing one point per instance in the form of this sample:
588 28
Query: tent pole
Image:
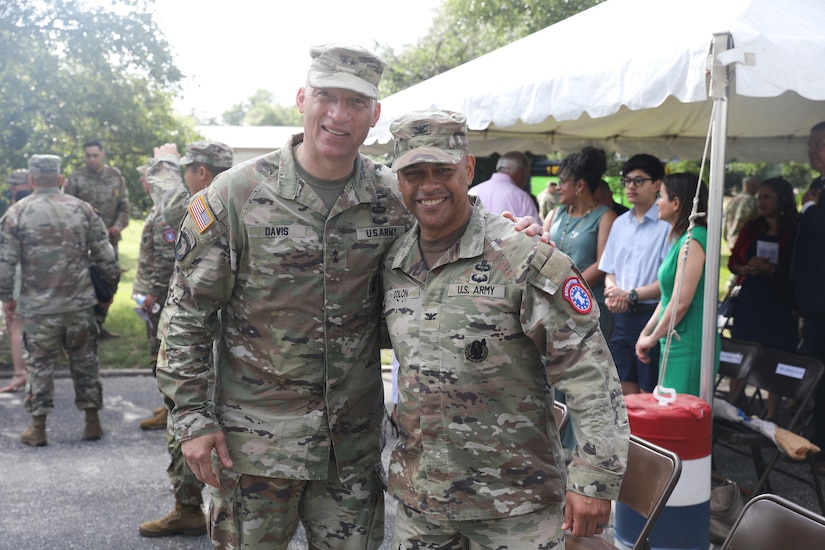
718 92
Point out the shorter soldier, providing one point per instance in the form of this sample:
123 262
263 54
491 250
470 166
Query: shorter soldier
203 161
484 320
55 238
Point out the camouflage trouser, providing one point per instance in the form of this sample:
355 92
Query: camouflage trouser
43 337
261 512
540 530
187 488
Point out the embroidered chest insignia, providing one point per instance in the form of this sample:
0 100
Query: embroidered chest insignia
476 351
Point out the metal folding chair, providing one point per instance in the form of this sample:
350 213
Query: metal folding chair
652 474
769 522
790 376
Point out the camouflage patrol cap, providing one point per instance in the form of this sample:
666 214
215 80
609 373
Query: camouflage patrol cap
211 153
44 164
143 167
429 136
19 177
345 66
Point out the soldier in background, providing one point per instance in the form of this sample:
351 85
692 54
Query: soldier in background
203 161
474 310
19 187
103 187
54 238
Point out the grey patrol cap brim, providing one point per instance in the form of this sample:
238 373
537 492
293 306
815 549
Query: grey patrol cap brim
435 155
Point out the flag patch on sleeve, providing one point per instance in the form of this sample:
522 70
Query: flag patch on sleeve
201 214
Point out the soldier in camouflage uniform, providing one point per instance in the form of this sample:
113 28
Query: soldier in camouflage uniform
19 187
474 310
203 161
287 247
55 237
103 187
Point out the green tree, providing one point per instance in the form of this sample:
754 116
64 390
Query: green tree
465 29
71 72
260 109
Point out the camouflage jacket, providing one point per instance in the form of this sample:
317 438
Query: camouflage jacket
55 238
156 259
168 189
475 409
105 190
297 363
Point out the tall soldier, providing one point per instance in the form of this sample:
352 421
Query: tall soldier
103 187
287 247
55 238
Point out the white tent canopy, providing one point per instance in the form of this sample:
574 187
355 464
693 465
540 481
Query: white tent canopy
630 76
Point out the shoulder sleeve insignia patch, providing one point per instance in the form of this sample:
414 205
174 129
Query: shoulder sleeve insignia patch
201 214
577 295
169 235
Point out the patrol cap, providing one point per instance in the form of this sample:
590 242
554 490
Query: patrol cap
44 164
211 153
429 136
345 66
19 177
143 167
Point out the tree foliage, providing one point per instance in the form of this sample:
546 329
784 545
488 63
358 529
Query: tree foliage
71 72
260 109
465 29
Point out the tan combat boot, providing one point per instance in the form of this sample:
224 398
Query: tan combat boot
94 430
157 421
35 434
183 520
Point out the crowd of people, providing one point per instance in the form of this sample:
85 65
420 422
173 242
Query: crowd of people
269 288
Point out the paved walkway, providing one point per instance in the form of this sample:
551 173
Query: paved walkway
93 495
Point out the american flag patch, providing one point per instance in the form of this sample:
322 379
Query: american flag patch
200 212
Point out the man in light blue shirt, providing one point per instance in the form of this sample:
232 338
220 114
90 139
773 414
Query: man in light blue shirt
636 246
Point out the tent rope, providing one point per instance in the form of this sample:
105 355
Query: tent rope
677 290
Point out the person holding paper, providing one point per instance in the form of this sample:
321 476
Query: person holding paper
760 259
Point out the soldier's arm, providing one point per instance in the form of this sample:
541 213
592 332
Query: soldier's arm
102 254
163 259
560 315
201 286
9 256
122 216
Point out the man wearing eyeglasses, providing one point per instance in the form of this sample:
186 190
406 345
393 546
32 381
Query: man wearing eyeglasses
636 246
807 274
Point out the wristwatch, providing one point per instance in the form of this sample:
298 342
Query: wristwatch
632 299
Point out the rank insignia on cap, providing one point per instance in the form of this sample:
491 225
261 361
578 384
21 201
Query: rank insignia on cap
169 235
201 214
576 294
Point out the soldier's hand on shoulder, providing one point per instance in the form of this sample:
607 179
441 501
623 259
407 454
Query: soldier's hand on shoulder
167 149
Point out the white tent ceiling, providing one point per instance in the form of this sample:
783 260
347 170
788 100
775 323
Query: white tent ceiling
630 76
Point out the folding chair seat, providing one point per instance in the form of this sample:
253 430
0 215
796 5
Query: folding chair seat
790 376
652 474
770 522
735 361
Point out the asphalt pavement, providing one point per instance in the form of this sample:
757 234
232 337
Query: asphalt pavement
94 494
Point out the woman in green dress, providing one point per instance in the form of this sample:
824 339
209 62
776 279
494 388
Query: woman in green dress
680 367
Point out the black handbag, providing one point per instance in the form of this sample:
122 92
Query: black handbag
102 291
